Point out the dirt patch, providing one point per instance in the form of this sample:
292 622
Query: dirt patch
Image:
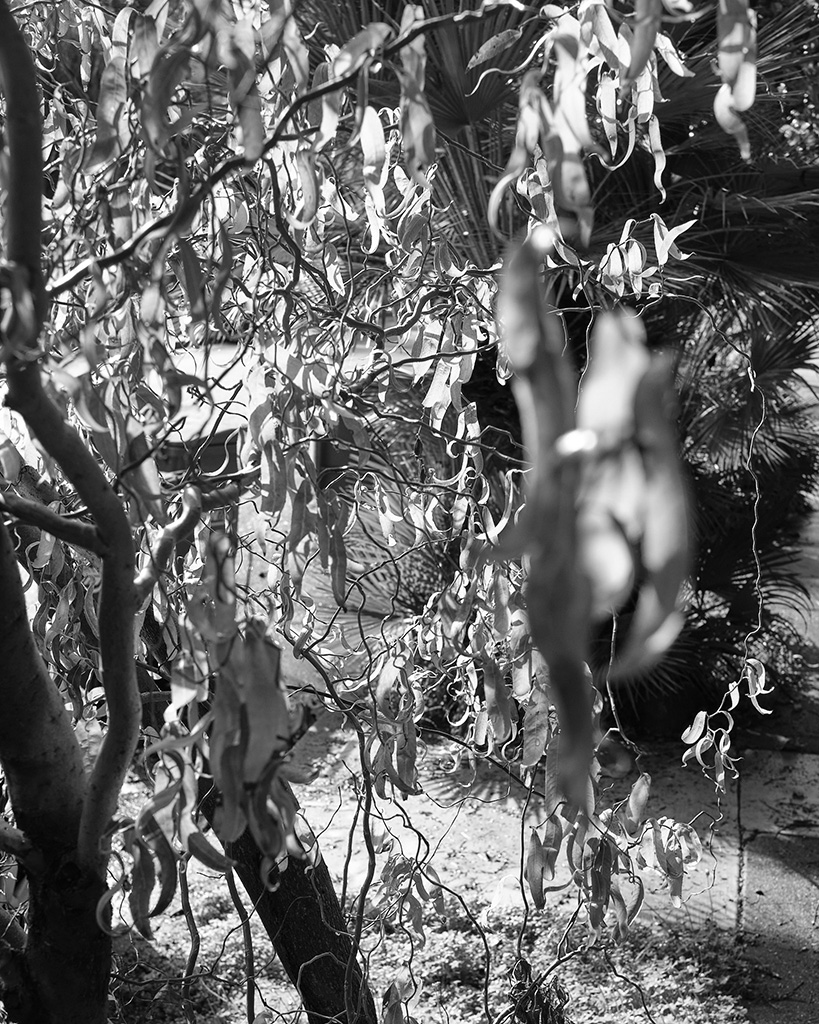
455 954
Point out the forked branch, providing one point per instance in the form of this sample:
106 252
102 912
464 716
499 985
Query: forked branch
26 395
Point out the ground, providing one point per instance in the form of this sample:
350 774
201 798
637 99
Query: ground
664 973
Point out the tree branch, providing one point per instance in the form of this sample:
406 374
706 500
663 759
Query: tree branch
117 602
40 755
23 128
164 544
72 531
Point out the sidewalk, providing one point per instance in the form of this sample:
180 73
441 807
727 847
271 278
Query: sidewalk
760 880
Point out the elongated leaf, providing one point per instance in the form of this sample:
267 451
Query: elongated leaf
665 549
729 120
755 676
264 700
494 46
167 72
417 129
734 37
498 701
113 94
144 44
536 726
536 868
637 801
206 853
648 16
143 877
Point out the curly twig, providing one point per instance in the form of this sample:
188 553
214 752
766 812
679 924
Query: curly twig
247 940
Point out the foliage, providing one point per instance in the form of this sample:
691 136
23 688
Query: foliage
269 285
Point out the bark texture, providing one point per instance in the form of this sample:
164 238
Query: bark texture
306 926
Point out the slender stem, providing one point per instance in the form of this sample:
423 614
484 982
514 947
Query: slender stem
247 939
193 930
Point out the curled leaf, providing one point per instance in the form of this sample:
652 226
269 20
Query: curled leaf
696 729
754 674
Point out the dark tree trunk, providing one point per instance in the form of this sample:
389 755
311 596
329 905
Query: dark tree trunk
305 924
65 966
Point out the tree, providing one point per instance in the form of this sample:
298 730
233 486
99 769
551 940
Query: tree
211 178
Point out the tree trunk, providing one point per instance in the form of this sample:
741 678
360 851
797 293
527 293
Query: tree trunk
305 924
61 976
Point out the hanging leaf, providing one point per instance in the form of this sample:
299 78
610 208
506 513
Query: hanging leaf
206 853
635 813
499 706
264 701
143 877
658 152
536 725
308 175
665 548
112 97
417 129
297 53
734 37
695 730
647 20
167 72
536 868
494 46
729 120
144 44
242 91
754 673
